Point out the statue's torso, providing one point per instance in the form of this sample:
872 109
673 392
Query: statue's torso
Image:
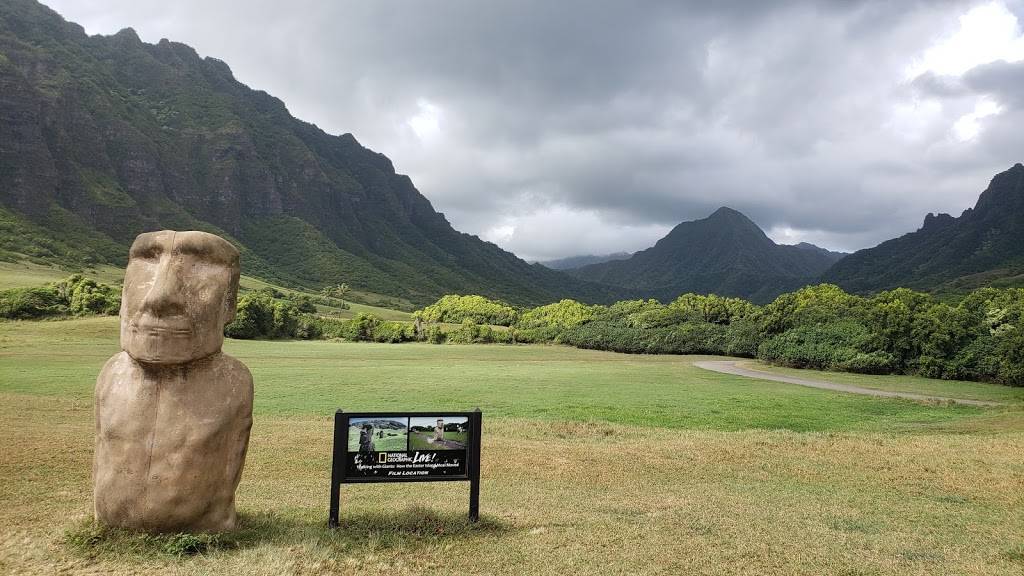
171 442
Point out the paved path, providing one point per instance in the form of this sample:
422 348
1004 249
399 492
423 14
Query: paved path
732 367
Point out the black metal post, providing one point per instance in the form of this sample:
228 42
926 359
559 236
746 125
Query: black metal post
474 466
338 457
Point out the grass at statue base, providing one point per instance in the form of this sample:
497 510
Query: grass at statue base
592 463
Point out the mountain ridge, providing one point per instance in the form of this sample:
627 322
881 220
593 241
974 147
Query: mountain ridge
984 245
104 137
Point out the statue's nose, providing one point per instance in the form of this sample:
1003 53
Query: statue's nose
165 298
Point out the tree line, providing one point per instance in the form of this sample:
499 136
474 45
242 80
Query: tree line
980 337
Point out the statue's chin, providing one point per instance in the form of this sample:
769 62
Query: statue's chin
157 352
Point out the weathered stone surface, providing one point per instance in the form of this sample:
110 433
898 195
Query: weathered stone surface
173 413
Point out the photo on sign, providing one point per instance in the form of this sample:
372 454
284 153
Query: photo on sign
438 433
378 434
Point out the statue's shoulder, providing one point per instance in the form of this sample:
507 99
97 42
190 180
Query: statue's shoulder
119 364
237 377
234 368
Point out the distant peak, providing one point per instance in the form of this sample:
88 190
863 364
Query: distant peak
1005 193
726 214
128 34
726 211
940 220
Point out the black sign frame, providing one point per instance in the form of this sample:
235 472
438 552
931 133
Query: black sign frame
340 452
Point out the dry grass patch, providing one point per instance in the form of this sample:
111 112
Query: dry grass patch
558 498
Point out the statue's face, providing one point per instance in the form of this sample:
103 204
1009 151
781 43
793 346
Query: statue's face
179 292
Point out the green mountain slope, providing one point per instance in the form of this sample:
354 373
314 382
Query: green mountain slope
725 254
984 246
104 137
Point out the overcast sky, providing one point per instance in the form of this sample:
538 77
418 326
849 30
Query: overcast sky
557 128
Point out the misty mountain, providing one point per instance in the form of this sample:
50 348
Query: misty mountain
580 261
983 246
830 254
725 253
104 137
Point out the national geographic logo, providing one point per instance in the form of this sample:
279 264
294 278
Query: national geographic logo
382 458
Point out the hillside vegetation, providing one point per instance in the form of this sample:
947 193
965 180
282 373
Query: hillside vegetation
725 253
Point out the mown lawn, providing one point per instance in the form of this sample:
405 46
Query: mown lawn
913 384
593 463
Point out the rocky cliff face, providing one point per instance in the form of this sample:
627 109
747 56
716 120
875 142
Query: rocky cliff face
105 137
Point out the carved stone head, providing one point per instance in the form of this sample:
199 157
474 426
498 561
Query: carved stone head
179 293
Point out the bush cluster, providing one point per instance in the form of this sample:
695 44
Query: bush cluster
363 328
75 295
900 331
476 309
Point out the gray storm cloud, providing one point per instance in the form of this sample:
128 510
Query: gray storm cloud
573 127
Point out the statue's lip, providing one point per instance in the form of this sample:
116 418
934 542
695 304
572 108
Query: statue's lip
163 328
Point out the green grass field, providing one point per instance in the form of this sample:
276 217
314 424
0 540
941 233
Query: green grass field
593 462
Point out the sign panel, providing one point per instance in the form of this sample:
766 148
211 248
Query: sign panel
406 447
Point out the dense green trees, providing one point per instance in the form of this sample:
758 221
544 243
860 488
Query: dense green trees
901 331
456 309
980 337
75 295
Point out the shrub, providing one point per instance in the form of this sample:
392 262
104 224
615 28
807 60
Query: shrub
286 319
468 333
564 315
308 328
74 295
361 327
393 332
456 309
258 315
742 338
31 303
304 303
542 335
326 327
824 346
434 335
90 297
867 363
254 317
712 308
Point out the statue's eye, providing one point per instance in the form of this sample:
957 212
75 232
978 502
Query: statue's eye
150 253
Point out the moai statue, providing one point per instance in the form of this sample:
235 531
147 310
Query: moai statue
173 412
366 439
439 430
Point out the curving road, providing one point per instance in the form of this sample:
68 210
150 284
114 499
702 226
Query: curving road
732 367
